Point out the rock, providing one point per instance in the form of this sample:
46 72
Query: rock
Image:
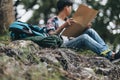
87 74
25 50
35 63
2 45
24 45
17 64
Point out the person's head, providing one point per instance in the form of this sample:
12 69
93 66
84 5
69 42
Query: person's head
64 5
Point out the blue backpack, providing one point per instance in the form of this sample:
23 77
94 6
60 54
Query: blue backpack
23 31
19 30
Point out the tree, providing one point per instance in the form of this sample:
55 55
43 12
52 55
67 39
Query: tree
6 15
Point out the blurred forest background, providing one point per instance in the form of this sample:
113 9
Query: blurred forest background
107 22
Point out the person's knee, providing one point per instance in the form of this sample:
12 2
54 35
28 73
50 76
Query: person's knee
91 30
85 36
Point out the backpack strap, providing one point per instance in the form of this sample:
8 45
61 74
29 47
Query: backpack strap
55 20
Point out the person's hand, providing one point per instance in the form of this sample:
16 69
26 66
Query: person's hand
89 25
69 22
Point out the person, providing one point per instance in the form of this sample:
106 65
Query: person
89 39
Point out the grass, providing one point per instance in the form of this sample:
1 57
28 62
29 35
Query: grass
85 52
5 39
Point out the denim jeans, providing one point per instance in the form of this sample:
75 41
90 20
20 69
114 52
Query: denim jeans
91 40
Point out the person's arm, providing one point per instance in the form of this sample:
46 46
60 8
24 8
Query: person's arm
65 25
89 25
52 32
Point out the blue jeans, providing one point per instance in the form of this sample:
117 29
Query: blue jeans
91 40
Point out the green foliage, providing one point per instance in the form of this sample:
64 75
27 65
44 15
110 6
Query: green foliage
44 10
28 4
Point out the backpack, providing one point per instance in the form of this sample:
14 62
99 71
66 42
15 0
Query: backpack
21 30
52 41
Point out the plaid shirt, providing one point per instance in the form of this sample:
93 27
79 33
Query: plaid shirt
52 24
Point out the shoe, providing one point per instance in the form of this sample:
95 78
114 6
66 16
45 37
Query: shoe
116 56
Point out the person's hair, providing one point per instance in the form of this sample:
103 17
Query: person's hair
63 3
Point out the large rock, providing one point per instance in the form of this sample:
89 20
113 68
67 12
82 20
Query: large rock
71 65
24 45
26 51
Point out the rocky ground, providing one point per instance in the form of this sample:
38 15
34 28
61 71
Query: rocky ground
25 60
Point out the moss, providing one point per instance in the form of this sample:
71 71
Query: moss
86 52
5 39
27 57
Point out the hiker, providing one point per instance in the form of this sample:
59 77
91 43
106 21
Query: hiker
89 39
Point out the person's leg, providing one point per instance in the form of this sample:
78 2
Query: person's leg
87 41
93 34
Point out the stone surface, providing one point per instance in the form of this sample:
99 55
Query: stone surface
29 57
